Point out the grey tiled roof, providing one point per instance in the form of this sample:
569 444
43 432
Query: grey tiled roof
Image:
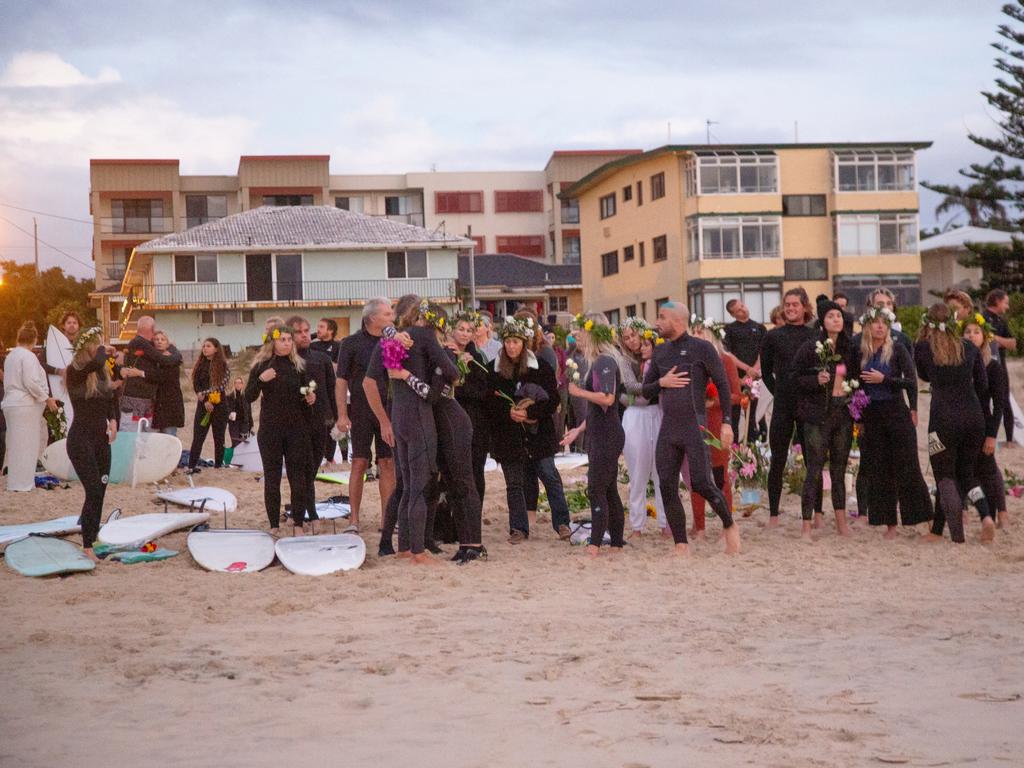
319 226
513 271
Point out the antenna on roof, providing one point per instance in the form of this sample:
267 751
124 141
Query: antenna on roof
796 131
707 126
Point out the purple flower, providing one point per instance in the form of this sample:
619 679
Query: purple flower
858 402
392 353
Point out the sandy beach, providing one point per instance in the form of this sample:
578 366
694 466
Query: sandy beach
837 653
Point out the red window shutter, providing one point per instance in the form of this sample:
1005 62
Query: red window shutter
519 201
481 243
458 202
531 246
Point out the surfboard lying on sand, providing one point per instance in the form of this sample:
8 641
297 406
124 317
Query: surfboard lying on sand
246 456
232 551
321 555
217 499
581 533
58 355
140 529
58 527
339 478
43 556
571 460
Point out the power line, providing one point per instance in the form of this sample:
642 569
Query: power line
44 213
58 250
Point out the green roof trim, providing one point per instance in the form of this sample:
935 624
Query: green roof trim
596 175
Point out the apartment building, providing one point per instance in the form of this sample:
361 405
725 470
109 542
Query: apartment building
516 212
708 223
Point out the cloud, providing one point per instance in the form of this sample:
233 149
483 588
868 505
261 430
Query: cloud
43 69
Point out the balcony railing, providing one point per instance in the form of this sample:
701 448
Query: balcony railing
283 292
136 225
416 218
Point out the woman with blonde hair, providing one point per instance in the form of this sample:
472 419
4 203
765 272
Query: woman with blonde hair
94 428
26 393
285 422
956 421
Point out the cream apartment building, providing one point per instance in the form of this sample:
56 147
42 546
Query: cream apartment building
708 223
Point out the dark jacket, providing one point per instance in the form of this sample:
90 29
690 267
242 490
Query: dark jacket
168 405
320 368
143 355
473 394
511 441
239 405
813 399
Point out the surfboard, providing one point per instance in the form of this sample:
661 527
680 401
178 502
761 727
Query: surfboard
571 460
247 456
232 551
140 529
339 478
581 533
1018 421
145 458
490 465
328 510
217 499
58 527
321 555
43 556
764 402
58 355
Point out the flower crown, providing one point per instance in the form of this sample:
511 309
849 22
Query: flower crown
638 324
86 337
514 328
652 336
469 316
878 313
275 334
952 327
598 331
709 323
433 318
980 321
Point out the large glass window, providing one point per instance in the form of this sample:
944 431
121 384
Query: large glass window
874 171
138 216
725 173
200 268
876 234
571 249
407 264
200 209
658 186
733 237
354 204
608 206
710 299
571 211
609 263
803 205
287 200
806 269
289 276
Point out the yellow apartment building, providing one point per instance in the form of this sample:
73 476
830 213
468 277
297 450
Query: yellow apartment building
708 223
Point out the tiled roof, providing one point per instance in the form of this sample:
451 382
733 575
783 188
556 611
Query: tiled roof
959 237
319 227
512 271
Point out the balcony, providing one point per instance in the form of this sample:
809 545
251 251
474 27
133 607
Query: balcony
415 218
305 293
136 225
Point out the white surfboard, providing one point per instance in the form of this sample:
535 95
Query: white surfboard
1018 421
571 460
42 556
140 529
581 533
58 355
328 510
321 555
58 527
247 456
764 402
490 465
217 499
232 551
134 458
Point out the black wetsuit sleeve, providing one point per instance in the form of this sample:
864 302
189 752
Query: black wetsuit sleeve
805 364
997 394
716 369
980 379
651 387
331 380
346 359
922 359
253 386
903 376
768 362
547 379
439 358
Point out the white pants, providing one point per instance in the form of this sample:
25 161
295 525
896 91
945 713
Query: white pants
641 424
25 441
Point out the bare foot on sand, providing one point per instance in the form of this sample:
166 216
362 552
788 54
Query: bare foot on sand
635 534
842 527
930 538
988 530
91 555
819 520
275 532
666 533
891 532
591 551
773 521
699 534
1003 519
732 539
680 550
425 558
298 530
805 530
404 554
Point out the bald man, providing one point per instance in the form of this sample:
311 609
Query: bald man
679 373
141 361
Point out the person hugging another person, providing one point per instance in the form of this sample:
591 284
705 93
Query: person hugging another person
210 380
168 403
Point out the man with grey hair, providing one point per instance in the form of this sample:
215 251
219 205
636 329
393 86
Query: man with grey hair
680 371
486 344
356 417
139 372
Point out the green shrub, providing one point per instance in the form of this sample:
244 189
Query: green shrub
910 318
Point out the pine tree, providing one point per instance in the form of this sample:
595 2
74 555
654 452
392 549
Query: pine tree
995 192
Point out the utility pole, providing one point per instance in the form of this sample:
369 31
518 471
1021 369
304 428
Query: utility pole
707 125
472 270
35 237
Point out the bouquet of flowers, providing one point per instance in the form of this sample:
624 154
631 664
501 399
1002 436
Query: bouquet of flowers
309 388
392 353
749 464
56 422
213 399
826 352
572 371
710 394
746 391
858 402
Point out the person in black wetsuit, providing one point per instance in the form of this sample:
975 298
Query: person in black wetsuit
777 353
956 420
822 410
743 339
239 413
278 374
679 373
979 332
472 393
605 438
378 398
997 304
210 380
326 341
93 428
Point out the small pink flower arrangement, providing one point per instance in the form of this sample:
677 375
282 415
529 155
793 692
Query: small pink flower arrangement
392 353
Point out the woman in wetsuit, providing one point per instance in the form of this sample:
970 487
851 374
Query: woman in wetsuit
956 420
472 390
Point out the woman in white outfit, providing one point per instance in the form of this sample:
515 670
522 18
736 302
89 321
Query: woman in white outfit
25 396
640 421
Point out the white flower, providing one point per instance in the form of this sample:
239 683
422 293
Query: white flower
818 347
576 376
942 326
855 384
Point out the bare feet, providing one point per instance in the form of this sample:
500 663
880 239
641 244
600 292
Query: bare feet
819 519
732 539
773 521
697 533
298 530
275 532
591 551
91 555
666 533
406 554
842 528
988 530
891 532
635 534
805 530
425 558
930 538
1003 519
681 550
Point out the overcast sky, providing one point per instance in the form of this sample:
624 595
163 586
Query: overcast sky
403 86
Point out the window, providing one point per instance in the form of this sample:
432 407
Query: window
608 206
609 263
659 248
642 253
519 201
287 200
643 309
571 249
289 276
733 237
631 310
571 211
709 299
875 234
189 268
138 216
729 173
200 209
806 269
402 264
558 304
354 204
874 171
627 253
803 205
222 317
639 193
458 202
657 186
118 263
906 287
521 245
613 316
627 193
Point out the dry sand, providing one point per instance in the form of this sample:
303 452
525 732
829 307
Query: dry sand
839 653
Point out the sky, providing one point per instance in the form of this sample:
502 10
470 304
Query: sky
408 86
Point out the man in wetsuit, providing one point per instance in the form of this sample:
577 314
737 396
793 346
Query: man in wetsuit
679 373
743 338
